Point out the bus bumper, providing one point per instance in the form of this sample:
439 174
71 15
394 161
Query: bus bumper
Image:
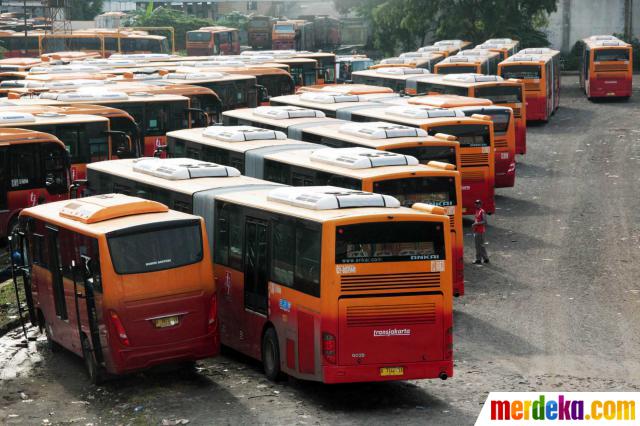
536 109
372 373
477 190
140 358
458 280
609 87
521 137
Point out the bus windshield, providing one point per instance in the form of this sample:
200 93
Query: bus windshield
198 36
469 136
389 242
164 246
424 154
528 72
500 94
438 191
611 55
284 28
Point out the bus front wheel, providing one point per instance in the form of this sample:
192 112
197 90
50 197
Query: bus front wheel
93 369
271 355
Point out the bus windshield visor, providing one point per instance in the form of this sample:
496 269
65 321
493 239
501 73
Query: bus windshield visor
525 72
424 154
500 94
469 136
389 242
198 36
163 246
437 191
611 55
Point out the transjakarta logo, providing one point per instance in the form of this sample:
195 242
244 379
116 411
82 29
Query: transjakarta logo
392 332
533 408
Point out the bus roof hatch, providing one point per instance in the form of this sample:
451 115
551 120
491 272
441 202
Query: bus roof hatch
99 208
287 112
381 130
242 133
361 158
182 168
417 112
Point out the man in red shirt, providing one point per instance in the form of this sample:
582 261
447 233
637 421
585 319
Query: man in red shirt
479 228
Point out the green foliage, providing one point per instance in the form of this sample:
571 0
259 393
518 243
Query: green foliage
165 17
635 43
85 10
572 60
234 20
408 24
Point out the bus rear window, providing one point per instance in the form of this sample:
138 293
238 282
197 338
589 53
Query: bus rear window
389 242
500 122
424 154
198 36
611 55
284 28
165 246
457 70
438 191
527 72
500 94
469 136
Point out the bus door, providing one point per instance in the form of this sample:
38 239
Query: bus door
256 281
4 187
58 320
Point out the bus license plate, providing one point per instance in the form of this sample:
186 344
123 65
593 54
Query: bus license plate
391 371
166 322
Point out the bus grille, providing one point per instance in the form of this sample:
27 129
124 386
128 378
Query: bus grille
531 86
390 282
472 176
517 113
474 159
611 67
452 222
383 315
501 143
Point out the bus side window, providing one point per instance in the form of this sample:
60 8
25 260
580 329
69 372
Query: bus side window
276 172
38 250
88 247
55 169
307 268
229 234
283 257
25 167
56 268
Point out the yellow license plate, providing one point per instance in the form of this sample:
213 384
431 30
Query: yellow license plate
166 321
392 371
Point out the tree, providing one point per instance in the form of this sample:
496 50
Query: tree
411 23
84 10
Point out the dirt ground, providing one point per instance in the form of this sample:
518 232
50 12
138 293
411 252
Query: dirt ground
558 309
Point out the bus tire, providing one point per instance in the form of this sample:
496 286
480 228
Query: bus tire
93 369
271 355
53 346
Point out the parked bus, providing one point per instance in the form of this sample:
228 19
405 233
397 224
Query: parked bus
304 71
346 65
267 154
539 69
460 44
426 60
394 78
606 67
298 279
441 50
87 138
34 168
475 135
155 114
503 128
508 93
493 58
505 46
213 41
464 64
102 278
325 65
18 64
259 31
294 34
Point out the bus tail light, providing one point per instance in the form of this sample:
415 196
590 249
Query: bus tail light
120 331
213 314
329 347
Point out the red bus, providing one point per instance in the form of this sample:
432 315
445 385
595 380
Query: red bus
34 168
606 67
320 283
539 69
213 41
103 282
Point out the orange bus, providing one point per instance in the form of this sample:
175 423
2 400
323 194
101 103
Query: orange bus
505 46
267 154
460 44
475 135
34 168
213 41
426 60
493 58
508 93
460 64
606 67
444 50
539 69
102 278
304 279
503 127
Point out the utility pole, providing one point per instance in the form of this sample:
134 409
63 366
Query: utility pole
628 20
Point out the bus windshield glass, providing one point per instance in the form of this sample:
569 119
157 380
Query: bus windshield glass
166 246
611 55
528 72
437 191
500 94
284 28
424 154
469 136
198 36
389 242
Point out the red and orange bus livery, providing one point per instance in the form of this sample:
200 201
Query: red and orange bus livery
606 67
